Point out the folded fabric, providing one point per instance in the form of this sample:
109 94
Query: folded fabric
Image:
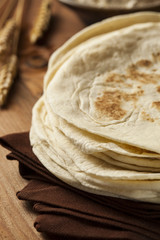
65 212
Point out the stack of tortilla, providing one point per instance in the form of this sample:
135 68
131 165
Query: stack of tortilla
97 125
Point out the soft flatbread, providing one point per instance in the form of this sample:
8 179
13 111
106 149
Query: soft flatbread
113 88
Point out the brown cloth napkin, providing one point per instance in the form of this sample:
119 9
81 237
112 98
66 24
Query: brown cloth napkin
68 213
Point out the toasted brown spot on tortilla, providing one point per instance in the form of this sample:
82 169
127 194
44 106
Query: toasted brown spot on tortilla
110 103
144 63
134 74
156 57
115 77
158 89
156 105
147 117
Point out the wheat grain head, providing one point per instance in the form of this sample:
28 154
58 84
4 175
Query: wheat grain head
7 75
42 21
6 36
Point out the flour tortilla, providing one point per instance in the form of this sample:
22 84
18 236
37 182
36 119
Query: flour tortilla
58 58
84 171
105 26
113 66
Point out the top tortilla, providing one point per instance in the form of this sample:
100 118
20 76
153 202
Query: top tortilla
114 86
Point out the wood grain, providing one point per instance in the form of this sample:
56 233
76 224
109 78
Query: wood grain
15 222
17 217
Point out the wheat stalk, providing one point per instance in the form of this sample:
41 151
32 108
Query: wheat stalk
6 36
7 75
9 34
10 37
42 21
6 12
8 30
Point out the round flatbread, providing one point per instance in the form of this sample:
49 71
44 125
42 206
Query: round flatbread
113 88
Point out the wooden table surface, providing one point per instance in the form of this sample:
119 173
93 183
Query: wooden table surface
17 217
